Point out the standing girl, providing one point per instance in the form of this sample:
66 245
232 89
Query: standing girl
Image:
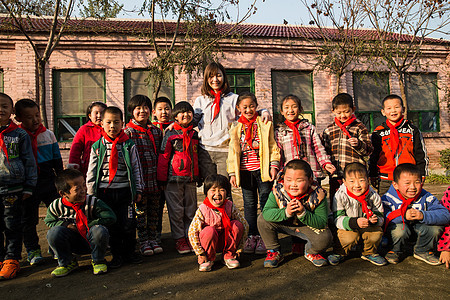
86 136
253 162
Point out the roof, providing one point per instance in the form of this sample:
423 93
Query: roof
132 26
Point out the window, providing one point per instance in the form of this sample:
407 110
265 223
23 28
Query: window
136 83
241 81
299 83
1 81
422 100
73 91
369 89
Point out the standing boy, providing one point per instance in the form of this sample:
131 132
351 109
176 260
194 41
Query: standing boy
395 142
18 176
114 175
49 161
346 140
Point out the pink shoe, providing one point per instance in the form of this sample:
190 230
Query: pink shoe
250 244
260 246
232 263
206 266
182 247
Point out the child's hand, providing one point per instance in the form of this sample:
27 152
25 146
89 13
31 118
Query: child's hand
265 116
170 127
202 258
374 181
445 258
72 227
414 214
292 207
330 168
373 219
233 181
25 196
321 193
73 166
138 198
353 141
362 222
300 209
273 173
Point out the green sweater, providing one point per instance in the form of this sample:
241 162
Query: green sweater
316 219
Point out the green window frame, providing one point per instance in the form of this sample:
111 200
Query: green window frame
241 80
2 85
369 89
423 100
73 91
299 83
136 83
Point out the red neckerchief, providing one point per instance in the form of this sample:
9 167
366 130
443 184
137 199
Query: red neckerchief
114 159
249 130
343 127
395 139
225 218
186 136
362 199
162 125
216 103
294 127
147 130
402 210
12 126
81 219
301 198
33 136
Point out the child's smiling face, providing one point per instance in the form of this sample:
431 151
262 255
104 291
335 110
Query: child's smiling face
30 118
290 110
162 112
247 108
296 183
217 195
184 118
141 114
393 110
77 192
6 109
409 185
343 112
356 183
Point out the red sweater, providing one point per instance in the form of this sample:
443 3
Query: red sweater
80 151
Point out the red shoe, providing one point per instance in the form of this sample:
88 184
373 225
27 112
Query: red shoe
9 269
182 246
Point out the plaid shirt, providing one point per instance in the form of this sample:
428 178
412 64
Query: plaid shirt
342 153
310 150
147 155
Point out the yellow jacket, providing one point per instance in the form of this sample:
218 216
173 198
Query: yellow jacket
268 149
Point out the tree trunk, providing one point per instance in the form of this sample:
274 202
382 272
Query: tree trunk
156 89
401 82
338 83
41 91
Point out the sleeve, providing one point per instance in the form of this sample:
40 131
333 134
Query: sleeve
339 213
29 163
137 169
377 208
164 159
271 211
420 152
318 218
51 220
364 147
92 172
77 148
319 150
232 152
436 213
194 231
198 111
444 241
104 215
373 161
326 142
273 147
236 215
280 146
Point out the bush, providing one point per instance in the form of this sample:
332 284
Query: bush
444 160
437 179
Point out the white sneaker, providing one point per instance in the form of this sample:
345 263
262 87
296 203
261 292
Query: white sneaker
206 266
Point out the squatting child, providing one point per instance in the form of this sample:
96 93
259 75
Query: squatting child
407 208
218 226
114 175
444 241
147 139
395 142
77 224
295 209
48 158
253 162
18 176
358 215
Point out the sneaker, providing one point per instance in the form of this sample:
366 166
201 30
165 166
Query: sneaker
146 248
250 244
9 269
64 271
273 259
35 257
260 247
182 246
99 268
335 259
157 249
206 266
298 248
376 259
134 258
116 262
428 257
232 263
392 257
316 259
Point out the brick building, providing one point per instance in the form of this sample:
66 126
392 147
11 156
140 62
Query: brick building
106 60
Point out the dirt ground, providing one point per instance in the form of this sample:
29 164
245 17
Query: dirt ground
171 275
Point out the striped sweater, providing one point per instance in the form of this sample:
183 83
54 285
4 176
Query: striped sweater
96 211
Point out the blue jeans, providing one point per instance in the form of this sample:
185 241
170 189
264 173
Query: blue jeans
10 226
64 241
427 236
252 185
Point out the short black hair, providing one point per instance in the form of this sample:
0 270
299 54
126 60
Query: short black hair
138 100
181 107
342 99
390 97
62 181
245 95
113 110
92 105
7 98
299 164
406 168
355 167
163 100
293 98
22 104
216 180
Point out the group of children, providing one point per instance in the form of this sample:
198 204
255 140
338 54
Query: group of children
119 178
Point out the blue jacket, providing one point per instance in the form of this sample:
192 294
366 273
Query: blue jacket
434 213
